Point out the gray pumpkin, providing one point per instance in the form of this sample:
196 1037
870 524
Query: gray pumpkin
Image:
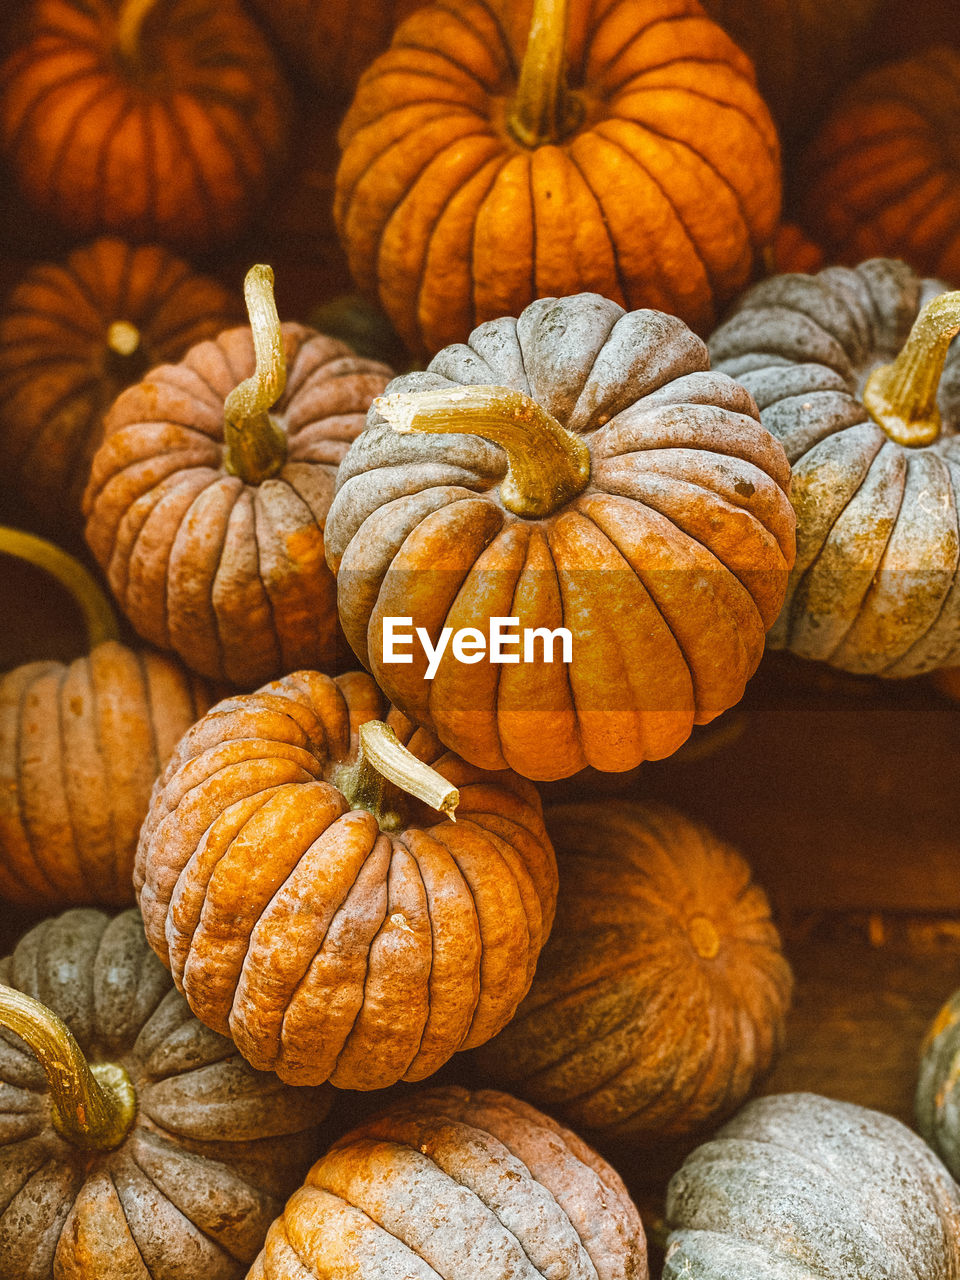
168 1157
875 587
799 1187
937 1102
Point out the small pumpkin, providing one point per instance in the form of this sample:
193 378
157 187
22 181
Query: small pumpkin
882 178
937 1098
294 876
135 1142
458 1186
74 334
478 174
661 995
855 374
591 473
797 1186
792 250
207 498
156 119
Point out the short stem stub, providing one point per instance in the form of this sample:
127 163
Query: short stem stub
130 20
256 446
548 465
93 1107
902 397
544 110
383 766
123 338
98 616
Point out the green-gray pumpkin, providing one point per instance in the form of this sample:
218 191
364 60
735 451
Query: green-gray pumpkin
799 1187
869 421
937 1103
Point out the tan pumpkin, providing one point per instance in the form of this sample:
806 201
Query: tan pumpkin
309 901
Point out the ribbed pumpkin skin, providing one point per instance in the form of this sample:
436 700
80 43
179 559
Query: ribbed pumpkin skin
58 372
213 1151
883 176
180 147
458 1186
661 995
80 747
325 947
792 250
661 199
666 570
937 1103
799 1187
875 586
231 576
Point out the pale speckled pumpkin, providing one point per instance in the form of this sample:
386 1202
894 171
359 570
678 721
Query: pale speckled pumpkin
937 1102
451 1185
799 1187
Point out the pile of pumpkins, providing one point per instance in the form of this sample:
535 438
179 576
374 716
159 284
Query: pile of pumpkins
282 848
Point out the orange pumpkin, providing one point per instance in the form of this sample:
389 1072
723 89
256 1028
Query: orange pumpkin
158 119
648 174
793 250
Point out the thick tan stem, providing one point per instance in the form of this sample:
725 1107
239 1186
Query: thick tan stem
548 465
93 1107
98 616
543 108
256 446
123 338
902 396
385 766
130 20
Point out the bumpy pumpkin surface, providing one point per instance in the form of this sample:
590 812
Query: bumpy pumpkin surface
799 1187
883 176
160 121
190 1187
334 932
875 587
938 1101
460 1186
661 994
666 557
72 336
652 179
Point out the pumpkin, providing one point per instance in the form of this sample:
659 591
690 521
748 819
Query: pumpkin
160 120
661 995
293 875
460 1186
792 250
854 372
135 1142
937 1097
72 336
882 178
206 510
797 1186
591 472
649 173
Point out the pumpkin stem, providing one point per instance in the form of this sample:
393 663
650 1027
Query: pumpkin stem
93 1106
383 763
544 110
256 446
902 396
548 465
123 338
98 616
130 20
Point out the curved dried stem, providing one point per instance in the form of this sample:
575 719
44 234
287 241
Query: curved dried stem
902 396
98 615
384 765
256 445
130 20
544 110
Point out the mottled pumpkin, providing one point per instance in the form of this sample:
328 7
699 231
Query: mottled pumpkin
451 1185
875 588
599 477
661 995
74 334
937 1103
335 926
799 1187
883 176
478 174
159 121
143 1145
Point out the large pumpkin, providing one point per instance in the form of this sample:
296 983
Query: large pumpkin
937 1102
135 1142
72 336
661 994
158 119
478 175
862 388
311 907
798 1187
883 176
604 481
207 498
451 1185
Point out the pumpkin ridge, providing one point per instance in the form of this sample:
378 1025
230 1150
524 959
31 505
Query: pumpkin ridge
31 443
506 48
47 887
39 99
602 221
497 169
126 105
698 59
101 93
887 194
771 148
244 167
203 595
